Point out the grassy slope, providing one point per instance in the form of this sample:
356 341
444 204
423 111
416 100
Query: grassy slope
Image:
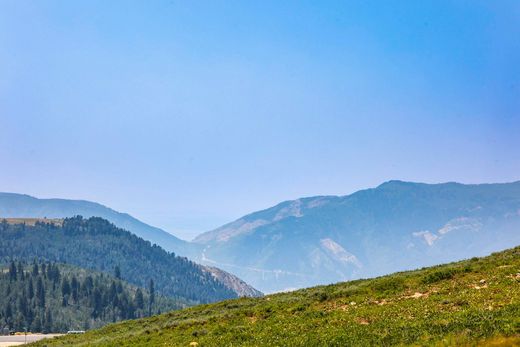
459 303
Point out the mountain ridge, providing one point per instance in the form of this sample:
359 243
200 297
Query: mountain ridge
325 239
201 238
24 205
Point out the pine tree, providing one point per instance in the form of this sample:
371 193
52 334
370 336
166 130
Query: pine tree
44 270
12 271
74 287
20 271
30 289
151 300
97 303
112 293
36 325
50 272
22 305
35 269
4 225
40 293
47 326
8 314
65 292
117 272
139 299
89 284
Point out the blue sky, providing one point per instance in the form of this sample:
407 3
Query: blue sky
189 114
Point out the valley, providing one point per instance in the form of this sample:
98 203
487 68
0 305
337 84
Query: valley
325 239
331 241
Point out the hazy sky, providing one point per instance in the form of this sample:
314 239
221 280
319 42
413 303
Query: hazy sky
189 114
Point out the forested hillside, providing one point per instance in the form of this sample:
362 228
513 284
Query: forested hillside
50 297
96 244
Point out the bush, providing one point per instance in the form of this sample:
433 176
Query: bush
438 275
322 296
389 285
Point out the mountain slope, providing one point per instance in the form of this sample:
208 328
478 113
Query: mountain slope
49 297
396 226
465 303
22 206
96 244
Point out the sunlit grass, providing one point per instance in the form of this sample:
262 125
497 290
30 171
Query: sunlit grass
474 302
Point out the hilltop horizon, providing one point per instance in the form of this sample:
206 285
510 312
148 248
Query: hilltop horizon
324 239
199 232
190 115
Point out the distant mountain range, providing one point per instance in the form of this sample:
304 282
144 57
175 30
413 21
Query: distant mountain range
14 205
325 239
396 226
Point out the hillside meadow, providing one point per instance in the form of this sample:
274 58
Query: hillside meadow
472 302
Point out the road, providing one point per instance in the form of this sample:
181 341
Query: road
16 340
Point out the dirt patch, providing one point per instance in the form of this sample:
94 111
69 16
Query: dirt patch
417 295
362 321
33 221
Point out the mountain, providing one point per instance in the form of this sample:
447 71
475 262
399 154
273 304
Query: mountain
471 303
22 206
97 244
396 226
50 297
326 239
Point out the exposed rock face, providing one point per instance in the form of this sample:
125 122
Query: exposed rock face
232 282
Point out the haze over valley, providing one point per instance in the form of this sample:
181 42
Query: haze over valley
327 239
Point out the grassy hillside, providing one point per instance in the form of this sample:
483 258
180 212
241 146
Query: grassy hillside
454 304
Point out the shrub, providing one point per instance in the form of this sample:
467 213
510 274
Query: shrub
322 296
438 275
389 285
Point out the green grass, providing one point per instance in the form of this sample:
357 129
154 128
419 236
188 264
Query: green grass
473 302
